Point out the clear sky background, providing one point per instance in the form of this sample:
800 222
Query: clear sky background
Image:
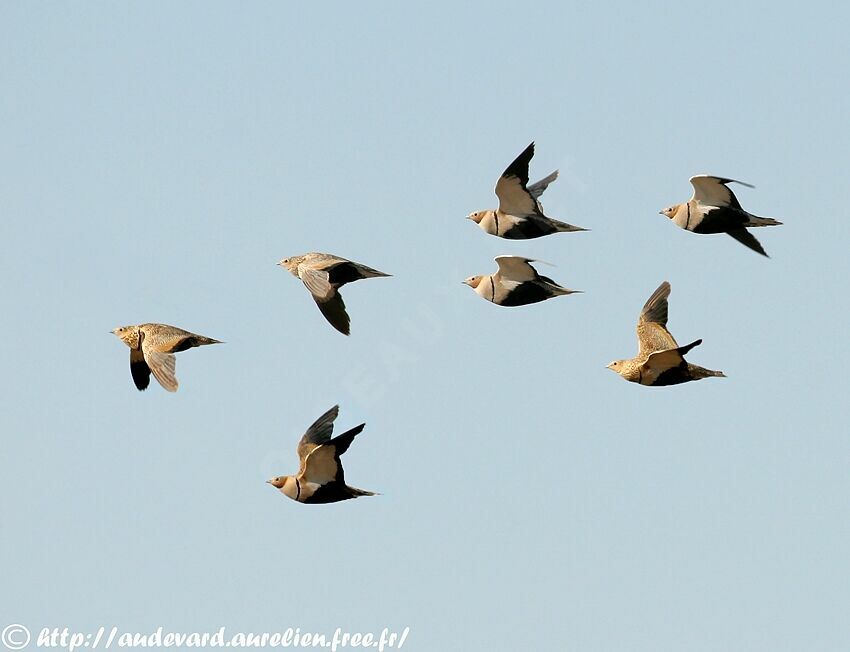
157 161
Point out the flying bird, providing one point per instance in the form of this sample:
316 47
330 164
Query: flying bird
320 478
152 349
324 274
520 214
516 283
713 208
660 361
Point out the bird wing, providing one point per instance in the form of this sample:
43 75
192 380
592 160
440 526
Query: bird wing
712 191
653 337
161 364
660 361
537 189
514 197
515 268
139 369
746 238
652 330
317 281
318 433
333 309
322 464
327 298
655 308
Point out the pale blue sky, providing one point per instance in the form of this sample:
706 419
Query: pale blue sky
156 161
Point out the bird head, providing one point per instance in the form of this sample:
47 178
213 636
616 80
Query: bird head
670 211
616 366
277 482
291 264
476 217
128 334
473 281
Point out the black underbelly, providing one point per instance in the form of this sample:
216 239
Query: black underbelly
526 293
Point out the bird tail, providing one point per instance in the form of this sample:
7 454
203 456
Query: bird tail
563 291
698 373
356 493
200 340
755 220
556 289
563 227
368 272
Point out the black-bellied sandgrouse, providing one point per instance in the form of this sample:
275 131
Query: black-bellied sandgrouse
520 214
320 478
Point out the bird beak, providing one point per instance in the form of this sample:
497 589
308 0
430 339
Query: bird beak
661 212
268 481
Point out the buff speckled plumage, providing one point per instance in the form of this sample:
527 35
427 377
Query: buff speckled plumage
660 360
323 275
152 348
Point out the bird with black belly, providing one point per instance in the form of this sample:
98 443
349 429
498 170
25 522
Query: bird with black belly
320 478
516 283
714 208
660 361
520 213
